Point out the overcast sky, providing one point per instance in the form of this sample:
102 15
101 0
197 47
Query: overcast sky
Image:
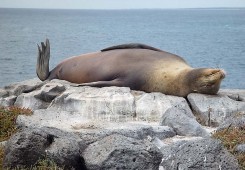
120 4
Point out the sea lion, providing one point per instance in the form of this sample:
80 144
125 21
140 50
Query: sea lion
137 66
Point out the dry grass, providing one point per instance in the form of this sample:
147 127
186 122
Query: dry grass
1 156
8 118
231 137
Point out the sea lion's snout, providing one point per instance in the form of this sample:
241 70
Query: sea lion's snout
223 74
216 74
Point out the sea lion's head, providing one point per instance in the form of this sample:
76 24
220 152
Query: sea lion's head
205 80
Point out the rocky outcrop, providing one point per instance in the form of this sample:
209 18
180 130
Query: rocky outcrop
25 148
197 154
117 128
213 110
182 124
120 152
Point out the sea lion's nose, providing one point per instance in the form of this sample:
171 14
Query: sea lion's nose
222 74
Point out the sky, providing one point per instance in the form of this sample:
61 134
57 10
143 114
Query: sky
120 4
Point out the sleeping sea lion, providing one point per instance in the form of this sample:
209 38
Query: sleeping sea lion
137 66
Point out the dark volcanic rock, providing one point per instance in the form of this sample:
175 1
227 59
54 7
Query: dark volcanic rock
198 155
25 148
120 152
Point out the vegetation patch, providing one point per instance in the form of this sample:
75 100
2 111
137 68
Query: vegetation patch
8 116
1 156
231 137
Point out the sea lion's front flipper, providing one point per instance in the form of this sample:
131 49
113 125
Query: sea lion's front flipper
115 82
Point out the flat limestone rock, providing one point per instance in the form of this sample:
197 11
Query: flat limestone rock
92 130
40 98
7 101
152 106
212 110
96 102
23 87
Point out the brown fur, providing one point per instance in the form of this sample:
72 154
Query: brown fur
140 69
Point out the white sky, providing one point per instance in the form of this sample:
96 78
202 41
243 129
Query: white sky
119 4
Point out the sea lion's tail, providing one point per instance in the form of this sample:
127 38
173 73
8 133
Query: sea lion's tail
43 56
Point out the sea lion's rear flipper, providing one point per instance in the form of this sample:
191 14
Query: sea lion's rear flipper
115 82
43 56
131 46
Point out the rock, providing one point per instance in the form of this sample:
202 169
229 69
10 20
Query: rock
66 153
3 143
113 103
25 148
199 154
212 110
28 100
49 91
58 119
92 130
7 101
120 152
151 106
3 93
131 130
237 120
234 94
23 87
118 128
182 124
240 148
40 99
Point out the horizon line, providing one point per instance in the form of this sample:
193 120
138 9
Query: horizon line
184 8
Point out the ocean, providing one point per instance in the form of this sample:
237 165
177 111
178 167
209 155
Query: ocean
203 37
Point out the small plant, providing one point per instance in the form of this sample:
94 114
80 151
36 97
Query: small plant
8 127
45 164
231 137
1 156
8 118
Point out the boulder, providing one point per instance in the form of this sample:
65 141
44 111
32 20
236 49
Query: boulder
237 120
3 93
235 94
23 87
120 152
181 123
113 103
151 106
212 110
7 101
200 154
240 148
92 130
26 147
40 99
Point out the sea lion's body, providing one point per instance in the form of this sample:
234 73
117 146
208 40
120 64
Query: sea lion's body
140 68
